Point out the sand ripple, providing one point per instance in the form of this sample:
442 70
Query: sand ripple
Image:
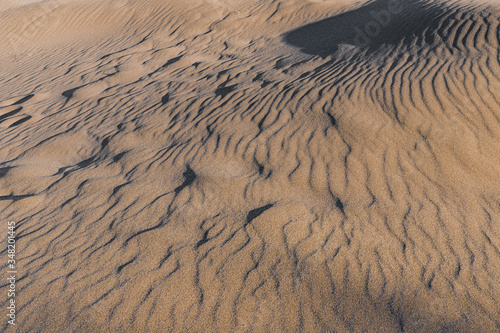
231 166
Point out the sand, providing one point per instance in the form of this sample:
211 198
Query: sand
251 166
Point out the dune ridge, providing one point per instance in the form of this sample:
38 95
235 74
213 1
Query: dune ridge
230 166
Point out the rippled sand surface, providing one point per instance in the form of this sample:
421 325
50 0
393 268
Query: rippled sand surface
252 166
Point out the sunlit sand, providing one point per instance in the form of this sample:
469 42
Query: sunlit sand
251 166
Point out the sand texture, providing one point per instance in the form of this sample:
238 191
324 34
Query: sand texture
251 166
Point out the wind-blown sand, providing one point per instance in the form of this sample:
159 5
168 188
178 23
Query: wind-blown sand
237 166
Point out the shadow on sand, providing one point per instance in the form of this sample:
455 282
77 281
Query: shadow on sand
380 22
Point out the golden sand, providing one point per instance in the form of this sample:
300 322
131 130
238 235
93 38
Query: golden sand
251 166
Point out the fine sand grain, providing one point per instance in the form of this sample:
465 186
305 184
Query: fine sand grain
251 166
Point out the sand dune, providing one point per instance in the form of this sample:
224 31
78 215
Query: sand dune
264 166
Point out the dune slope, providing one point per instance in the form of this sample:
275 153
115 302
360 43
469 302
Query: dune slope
264 166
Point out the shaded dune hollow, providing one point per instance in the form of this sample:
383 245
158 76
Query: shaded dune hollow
376 24
251 166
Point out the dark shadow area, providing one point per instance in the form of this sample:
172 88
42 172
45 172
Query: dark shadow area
411 309
254 213
20 121
15 197
189 178
4 171
11 113
223 91
69 93
378 23
24 99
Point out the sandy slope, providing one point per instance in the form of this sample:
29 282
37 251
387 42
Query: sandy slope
236 166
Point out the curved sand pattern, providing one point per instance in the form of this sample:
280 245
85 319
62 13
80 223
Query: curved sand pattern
220 166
